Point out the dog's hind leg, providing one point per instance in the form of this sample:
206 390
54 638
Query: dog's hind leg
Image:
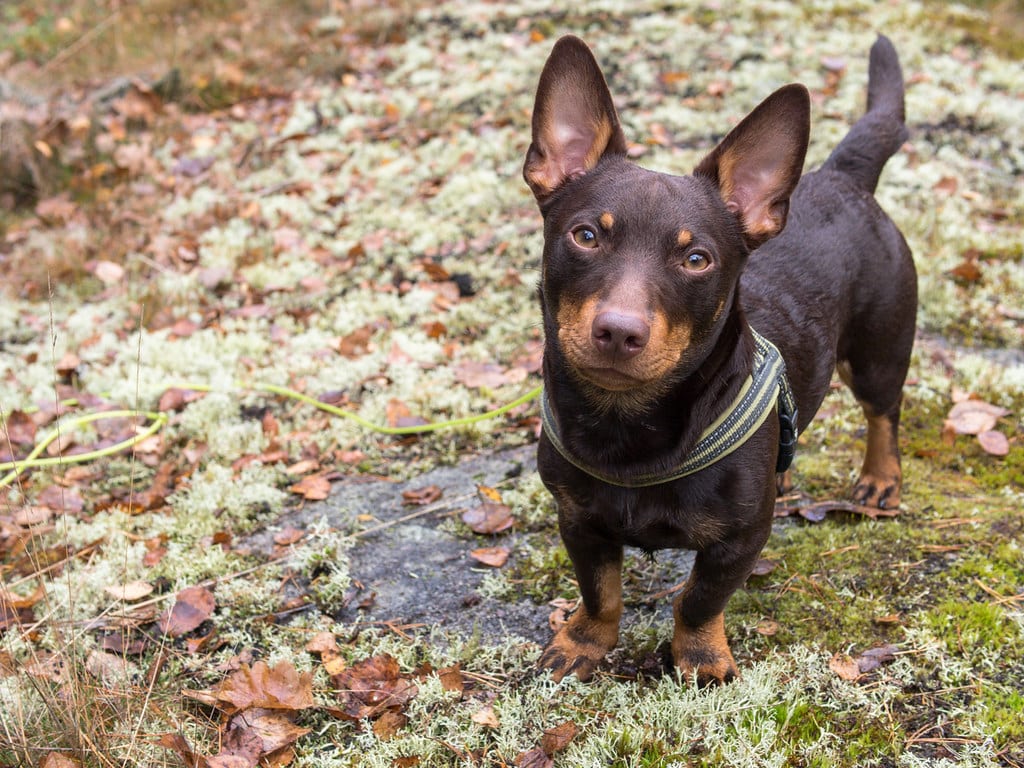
876 379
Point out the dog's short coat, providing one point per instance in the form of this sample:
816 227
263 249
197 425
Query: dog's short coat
650 286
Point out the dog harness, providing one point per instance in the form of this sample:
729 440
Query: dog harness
766 387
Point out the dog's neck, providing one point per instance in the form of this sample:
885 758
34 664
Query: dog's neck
613 430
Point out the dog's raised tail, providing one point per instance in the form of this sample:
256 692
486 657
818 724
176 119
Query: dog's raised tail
880 133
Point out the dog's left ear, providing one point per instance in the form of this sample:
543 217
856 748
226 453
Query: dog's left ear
574 120
758 165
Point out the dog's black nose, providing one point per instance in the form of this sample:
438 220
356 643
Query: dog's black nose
620 334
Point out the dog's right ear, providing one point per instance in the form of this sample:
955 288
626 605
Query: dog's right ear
574 120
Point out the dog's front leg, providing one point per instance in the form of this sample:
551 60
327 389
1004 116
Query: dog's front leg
699 644
593 629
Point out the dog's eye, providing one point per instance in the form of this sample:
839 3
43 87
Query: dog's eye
696 261
584 237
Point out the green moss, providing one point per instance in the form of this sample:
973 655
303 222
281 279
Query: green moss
964 626
1001 708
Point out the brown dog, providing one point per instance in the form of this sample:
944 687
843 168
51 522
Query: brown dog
666 415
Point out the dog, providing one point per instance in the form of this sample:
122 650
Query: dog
692 326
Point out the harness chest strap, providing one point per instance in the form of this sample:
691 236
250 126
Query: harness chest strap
766 387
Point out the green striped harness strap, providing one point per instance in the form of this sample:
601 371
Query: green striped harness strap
766 386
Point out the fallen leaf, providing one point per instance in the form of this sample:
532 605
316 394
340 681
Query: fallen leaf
486 493
873 658
451 679
486 717
180 746
767 627
281 687
133 590
268 730
21 429
844 666
370 687
288 535
59 760
764 566
489 518
815 513
421 496
32 515
399 415
312 487
326 645
535 758
61 499
476 374
386 726
994 442
192 606
492 556
558 738
108 272
175 399
972 417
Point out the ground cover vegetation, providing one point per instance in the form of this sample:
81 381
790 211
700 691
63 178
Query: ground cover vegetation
201 199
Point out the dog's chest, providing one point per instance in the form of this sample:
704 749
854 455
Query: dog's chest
677 515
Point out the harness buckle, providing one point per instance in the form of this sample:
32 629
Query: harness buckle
787 440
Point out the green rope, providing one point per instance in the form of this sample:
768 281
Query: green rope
158 420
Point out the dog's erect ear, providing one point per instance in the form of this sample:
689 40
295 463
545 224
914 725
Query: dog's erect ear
757 166
574 120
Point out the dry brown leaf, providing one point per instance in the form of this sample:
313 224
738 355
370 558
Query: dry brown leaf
180 746
421 496
767 627
133 590
191 608
972 417
492 556
32 515
764 566
475 374
535 758
303 467
274 728
325 644
558 738
489 517
451 678
59 760
386 726
288 535
486 717
260 686
312 487
371 687
21 430
844 666
994 442
399 415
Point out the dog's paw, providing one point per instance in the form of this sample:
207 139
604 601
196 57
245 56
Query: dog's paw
578 648
704 652
875 491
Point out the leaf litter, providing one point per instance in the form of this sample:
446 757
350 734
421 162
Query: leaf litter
219 231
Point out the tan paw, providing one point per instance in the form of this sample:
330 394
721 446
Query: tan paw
704 651
579 647
877 491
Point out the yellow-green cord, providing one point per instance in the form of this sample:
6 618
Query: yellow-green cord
158 420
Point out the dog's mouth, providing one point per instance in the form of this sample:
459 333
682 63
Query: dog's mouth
611 379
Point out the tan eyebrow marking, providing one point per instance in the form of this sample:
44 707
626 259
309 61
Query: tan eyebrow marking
684 237
606 221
